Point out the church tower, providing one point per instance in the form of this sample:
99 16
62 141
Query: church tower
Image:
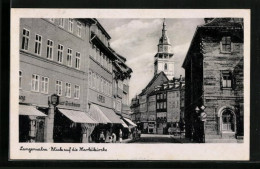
163 60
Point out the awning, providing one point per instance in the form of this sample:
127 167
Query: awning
124 124
98 115
77 116
111 115
130 122
30 111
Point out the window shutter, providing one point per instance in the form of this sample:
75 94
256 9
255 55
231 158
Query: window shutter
233 81
221 80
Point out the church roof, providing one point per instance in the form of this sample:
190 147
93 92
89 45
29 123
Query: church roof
144 91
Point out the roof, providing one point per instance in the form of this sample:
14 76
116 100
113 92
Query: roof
152 81
216 23
173 82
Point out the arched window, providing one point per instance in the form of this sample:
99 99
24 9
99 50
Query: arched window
228 121
165 66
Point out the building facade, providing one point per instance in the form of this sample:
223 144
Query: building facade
53 60
66 81
214 82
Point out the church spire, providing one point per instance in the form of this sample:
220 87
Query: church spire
164 40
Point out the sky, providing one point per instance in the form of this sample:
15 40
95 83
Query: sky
137 40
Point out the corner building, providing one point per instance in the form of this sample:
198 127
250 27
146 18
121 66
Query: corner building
53 59
214 81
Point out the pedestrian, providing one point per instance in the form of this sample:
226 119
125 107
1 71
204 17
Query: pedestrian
102 137
113 137
120 136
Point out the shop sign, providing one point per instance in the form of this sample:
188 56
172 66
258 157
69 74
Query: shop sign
67 103
203 116
101 98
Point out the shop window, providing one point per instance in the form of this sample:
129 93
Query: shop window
60 53
25 39
77 63
67 89
69 57
45 85
38 44
76 91
49 49
58 87
35 83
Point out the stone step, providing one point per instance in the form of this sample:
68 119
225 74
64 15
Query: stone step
212 136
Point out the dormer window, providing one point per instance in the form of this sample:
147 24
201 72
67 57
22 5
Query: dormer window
226 44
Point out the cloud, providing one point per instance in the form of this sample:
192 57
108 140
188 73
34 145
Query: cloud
137 40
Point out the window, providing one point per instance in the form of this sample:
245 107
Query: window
67 89
69 57
165 66
77 60
90 79
61 22
226 79
79 29
226 44
158 97
102 86
45 85
20 79
102 59
38 43
98 55
70 25
164 105
58 87
98 83
25 39
35 83
51 19
94 81
60 53
228 123
76 91
164 95
49 49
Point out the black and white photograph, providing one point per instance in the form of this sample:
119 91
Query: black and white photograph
101 83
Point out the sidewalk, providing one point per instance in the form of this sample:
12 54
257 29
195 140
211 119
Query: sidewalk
179 139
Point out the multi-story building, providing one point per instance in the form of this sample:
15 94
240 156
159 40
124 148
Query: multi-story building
169 105
214 81
151 113
53 60
65 80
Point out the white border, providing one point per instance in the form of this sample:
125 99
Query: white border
219 151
